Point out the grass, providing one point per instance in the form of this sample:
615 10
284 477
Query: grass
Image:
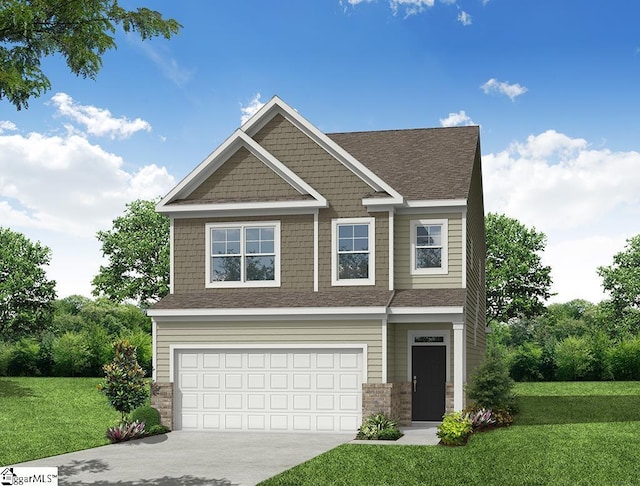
41 417
565 434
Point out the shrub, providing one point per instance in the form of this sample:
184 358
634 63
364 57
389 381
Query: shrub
149 415
144 352
624 360
124 383
503 417
24 358
525 363
481 419
125 431
157 429
454 429
6 350
378 427
573 359
490 385
599 345
70 355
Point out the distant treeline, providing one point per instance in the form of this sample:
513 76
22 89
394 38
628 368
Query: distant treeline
573 341
78 340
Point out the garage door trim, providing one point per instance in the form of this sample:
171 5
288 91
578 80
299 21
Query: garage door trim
175 348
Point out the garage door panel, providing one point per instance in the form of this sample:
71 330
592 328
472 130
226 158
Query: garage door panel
278 390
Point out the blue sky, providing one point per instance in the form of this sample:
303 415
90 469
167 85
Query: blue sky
553 85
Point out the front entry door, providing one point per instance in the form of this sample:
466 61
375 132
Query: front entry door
428 374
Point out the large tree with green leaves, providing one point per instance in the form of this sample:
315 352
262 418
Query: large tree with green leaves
26 294
80 31
518 284
622 278
138 251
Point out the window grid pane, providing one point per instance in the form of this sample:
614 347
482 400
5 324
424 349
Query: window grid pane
353 251
243 254
429 246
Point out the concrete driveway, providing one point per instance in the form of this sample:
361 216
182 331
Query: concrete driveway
191 458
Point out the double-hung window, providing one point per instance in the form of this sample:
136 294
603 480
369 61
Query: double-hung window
429 249
353 251
243 254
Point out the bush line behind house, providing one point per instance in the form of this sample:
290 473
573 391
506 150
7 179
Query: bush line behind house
78 340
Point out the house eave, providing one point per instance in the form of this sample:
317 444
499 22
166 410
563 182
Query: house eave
243 209
267 314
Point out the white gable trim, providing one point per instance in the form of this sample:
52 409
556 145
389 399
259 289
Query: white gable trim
216 159
276 106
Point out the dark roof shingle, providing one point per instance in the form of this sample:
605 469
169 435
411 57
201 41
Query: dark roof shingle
427 163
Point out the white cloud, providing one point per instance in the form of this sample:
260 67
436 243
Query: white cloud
68 185
585 200
410 7
464 18
251 109
511 90
7 126
98 121
456 119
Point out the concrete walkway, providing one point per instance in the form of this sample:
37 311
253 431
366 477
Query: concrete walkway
205 458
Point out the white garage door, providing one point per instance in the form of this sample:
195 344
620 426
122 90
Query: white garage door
269 390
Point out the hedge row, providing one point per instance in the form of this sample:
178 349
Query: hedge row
575 358
69 354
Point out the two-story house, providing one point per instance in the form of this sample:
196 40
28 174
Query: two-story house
316 278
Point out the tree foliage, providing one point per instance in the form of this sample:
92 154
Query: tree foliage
138 252
518 284
124 384
26 294
80 31
622 278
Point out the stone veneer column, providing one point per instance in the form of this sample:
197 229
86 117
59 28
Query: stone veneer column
162 399
392 399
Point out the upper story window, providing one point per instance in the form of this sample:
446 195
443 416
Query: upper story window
353 251
429 248
243 254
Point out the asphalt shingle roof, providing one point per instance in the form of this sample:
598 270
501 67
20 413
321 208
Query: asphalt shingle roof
426 163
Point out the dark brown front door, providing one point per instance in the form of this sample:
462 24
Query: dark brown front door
428 372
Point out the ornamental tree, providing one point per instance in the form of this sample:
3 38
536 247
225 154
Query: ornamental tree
124 384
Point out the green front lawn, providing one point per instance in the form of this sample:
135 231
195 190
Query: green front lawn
41 417
566 434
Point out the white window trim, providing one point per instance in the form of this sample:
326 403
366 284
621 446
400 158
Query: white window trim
372 252
444 268
242 225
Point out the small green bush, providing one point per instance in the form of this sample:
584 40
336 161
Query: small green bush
454 429
573 359
157 430
70 355
6 350
149 415
490 385
525 362
24 358
624 360
378 427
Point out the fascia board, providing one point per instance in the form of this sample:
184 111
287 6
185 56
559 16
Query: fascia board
274 207
269 313
277 106
217 158
206 167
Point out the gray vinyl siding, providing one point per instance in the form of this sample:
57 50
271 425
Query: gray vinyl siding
402 254
400 351
476 255
283 332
